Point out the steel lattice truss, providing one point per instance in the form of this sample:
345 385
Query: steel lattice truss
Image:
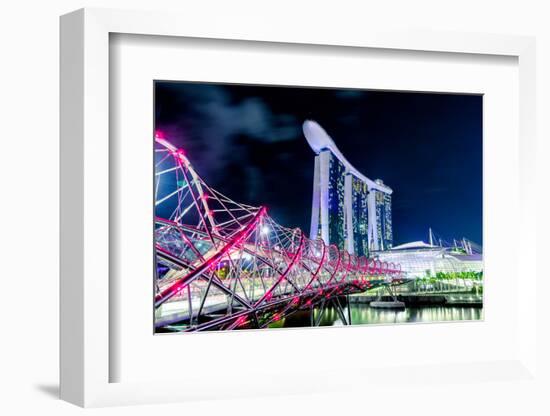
225 265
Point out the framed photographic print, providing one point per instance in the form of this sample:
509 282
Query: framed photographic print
281 206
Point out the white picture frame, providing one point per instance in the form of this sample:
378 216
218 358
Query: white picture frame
86 355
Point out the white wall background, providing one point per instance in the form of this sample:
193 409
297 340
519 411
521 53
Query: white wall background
29 202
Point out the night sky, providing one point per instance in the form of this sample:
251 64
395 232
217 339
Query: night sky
247 142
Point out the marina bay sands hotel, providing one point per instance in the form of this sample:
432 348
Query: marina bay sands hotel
349 209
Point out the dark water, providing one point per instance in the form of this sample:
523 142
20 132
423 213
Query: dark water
364 314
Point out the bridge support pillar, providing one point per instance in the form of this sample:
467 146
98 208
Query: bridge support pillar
336 303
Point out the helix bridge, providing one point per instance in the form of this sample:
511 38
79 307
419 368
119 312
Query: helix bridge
224 265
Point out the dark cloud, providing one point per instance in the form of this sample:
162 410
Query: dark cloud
208 121
221 117
349 93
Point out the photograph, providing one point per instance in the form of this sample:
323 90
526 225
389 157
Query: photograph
292 207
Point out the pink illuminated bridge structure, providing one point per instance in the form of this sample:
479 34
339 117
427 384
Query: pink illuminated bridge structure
224 265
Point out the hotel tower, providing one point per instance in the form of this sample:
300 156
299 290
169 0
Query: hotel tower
349 210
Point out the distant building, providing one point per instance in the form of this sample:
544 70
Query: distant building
382 202
358 229
419 259
348 209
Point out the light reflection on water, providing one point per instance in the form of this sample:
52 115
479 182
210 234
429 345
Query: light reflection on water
364 314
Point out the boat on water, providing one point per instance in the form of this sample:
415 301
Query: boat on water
387 304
